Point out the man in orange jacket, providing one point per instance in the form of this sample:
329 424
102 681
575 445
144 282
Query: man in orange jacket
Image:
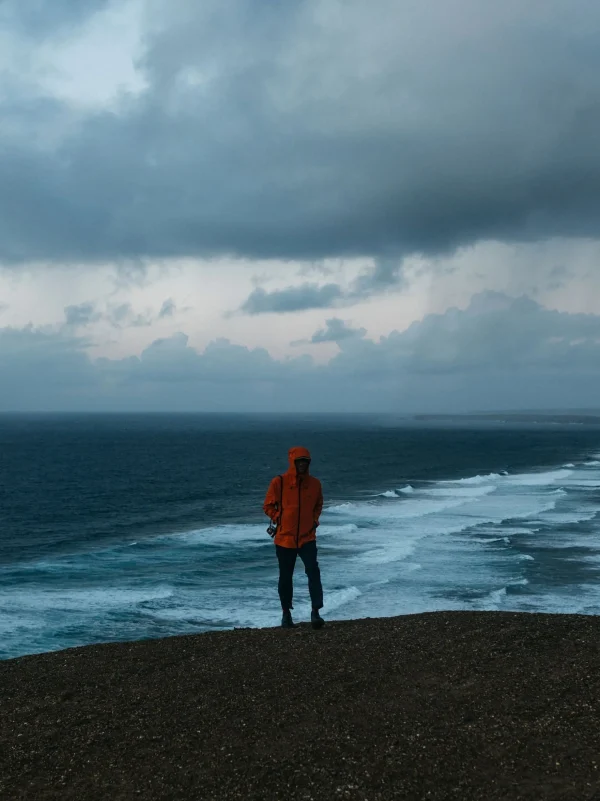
294 502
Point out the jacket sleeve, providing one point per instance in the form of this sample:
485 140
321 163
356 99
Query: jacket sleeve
271 504
318 504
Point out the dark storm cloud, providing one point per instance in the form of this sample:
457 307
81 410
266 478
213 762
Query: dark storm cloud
121 315
384 275
336 330
558 277
499 353
82 314
292 299
168 309
132 272
307 130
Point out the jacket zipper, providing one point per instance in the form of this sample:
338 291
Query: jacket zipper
298 526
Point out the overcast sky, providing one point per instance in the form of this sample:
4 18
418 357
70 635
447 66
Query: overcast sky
306 205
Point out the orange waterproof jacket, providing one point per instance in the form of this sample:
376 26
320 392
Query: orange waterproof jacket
294 505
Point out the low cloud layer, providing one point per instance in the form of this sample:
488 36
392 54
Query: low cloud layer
292 299
119 315
384 275
306 130
336 330
494 334
499 353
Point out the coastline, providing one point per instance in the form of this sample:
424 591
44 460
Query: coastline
440 705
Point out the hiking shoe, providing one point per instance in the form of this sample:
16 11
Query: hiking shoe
286 620
316 620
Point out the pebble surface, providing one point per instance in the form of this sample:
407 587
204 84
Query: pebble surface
442 705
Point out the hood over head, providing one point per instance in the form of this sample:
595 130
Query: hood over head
297 453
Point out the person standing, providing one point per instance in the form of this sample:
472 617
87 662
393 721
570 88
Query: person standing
294 503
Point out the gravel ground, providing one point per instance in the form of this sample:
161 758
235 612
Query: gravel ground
445 705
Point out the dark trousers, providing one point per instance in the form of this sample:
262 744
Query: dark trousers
287 561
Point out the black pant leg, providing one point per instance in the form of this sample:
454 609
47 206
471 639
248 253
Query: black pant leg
308 554
287 559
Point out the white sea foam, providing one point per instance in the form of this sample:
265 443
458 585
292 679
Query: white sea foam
570 516
393 530
489 540
460 492
539 479
76 600
583 481
344 530
230 534
514 530
30 615
208 609
392 552
20 625
496 598
418 507
338 598
490 477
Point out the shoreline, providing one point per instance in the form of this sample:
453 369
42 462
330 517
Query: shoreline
438 705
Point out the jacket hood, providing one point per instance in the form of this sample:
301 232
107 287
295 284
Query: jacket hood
293 454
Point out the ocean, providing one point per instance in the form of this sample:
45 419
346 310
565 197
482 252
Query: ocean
124 527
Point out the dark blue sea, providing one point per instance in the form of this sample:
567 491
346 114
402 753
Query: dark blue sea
127 527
